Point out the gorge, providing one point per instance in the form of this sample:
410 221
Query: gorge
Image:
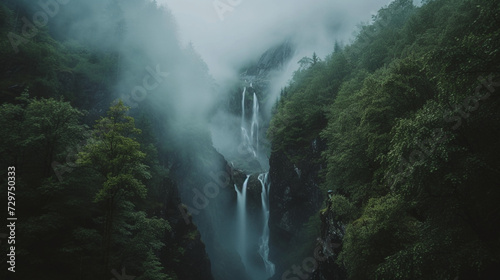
250 140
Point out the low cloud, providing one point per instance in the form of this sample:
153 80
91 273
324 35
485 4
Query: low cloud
250 27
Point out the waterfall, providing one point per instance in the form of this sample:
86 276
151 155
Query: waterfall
243 108
264 239
254 130
242 221
248 141
251 234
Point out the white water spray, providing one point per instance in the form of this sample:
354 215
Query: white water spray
243 108
250 232
242 220
254 130
264 239
249 142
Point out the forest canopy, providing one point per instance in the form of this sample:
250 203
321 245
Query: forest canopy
408 112
402 124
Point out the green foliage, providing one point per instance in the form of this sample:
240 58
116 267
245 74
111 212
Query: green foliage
407 112
381 231
116 156
111 211
64 213
305 241
49 68
341 208
43 127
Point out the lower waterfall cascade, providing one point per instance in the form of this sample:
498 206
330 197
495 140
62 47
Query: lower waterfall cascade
241 220
264 240
244 226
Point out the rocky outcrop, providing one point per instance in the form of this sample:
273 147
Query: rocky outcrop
295 199
295 196
273 59
328 248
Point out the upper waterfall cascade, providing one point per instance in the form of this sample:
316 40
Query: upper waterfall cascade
250 142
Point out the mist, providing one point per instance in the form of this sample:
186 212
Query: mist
255 136
241 34
203 50
183 65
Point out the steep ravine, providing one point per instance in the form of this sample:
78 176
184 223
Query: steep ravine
211 179
208 202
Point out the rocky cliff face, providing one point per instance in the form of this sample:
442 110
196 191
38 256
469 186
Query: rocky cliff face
273 59
251 94
328 248
184 251
295 197
258 76
207 178
206 185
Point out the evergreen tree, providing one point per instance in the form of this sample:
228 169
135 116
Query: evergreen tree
117 158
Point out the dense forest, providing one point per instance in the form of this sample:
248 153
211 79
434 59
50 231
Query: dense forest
96 197
408 114
107 143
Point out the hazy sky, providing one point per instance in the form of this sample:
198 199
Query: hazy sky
243 29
